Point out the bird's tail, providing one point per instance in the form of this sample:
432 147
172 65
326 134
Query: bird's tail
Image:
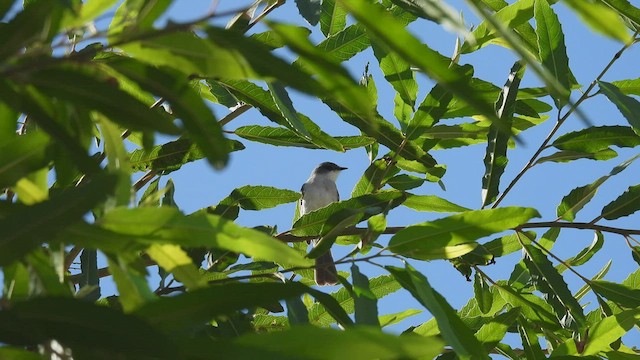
325 271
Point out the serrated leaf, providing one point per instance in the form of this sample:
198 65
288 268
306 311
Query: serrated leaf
620 294
430 111
251 93
569 155
259 197
626 204
552 50
321 221
333 18
538 264
597 138
495 160
454 331
629 86
628 106
431 203
580 196
442 238
285 137
284 103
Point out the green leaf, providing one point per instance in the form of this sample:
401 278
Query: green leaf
580 196
168 225
302 343
34 23
620 294
321 221
374 177
628 106
88 12
530 342
587 253
570 155
191 310
170 156
186 104
629 86
116 104
601 18
482 294
552 50
608 330
89 274
69 321
26 228
455 235
333 18
626 204
176 261
552 283
393 34
430 111
431 203
7 352
333 81
310 10
495 160
491 333
405 182
261 99
344 44
365 302
392 319
285 137
597 138
297 312
508 244
379 286
21 155
259 197
454 331
284 103
438 12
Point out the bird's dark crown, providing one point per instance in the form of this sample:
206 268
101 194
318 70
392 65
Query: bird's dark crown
329 166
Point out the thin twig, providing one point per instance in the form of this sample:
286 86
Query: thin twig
561 121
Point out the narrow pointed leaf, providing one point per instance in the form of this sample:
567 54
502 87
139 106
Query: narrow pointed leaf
437 239
297 312
552 50
454 331
570 155
580 196
482 294
284 103
596 138
176 261
430 111
310 10
625 205
628 106
285 137
495 160
606 331
538 264
620 294
259 197
322 220
365 302
431 203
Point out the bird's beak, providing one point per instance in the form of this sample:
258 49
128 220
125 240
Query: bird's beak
343 168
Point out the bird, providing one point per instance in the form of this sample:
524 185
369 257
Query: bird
319 191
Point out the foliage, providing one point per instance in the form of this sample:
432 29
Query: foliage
91 98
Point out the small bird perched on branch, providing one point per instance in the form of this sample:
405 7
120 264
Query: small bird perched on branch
319 191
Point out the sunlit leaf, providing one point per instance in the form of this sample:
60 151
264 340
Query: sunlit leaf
438 239
21 155
600 18
333 18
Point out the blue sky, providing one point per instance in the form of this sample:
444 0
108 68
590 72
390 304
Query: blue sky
198 185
